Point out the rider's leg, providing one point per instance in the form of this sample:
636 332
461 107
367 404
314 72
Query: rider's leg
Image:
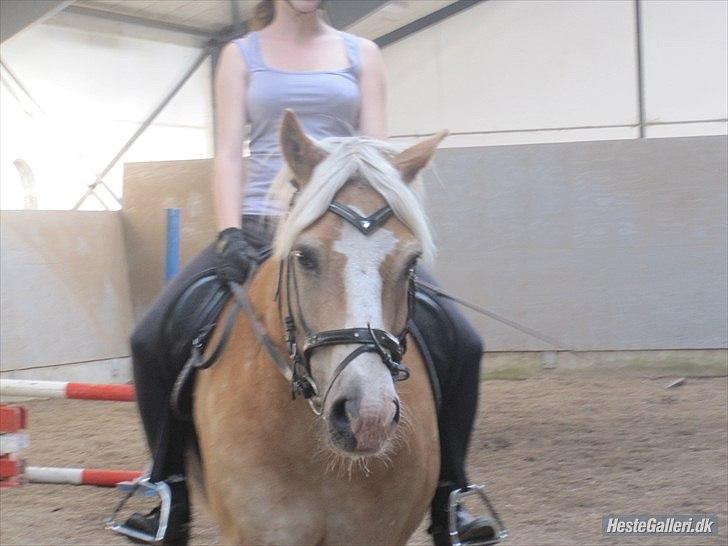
459 402
458 354
154 374
154 370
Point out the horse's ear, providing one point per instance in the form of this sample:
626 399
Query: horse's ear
412 160
299 151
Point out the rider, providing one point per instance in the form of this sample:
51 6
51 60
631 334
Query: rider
335 84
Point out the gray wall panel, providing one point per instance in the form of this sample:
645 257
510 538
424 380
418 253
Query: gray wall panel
605 245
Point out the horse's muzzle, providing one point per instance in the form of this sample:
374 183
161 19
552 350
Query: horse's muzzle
361 426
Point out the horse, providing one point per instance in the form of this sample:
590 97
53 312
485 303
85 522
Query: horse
335 295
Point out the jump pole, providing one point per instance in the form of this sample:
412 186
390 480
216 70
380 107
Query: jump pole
14 471
66 389
99 477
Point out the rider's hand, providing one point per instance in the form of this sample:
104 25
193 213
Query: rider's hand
235 256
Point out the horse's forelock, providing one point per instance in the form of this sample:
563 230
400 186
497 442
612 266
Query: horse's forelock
345 158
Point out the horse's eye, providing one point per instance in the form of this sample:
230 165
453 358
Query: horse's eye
306 258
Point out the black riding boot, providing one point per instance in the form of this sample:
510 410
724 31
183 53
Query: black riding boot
168 523
471 531
456 350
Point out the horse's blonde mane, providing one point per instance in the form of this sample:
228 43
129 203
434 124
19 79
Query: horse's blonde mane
346 157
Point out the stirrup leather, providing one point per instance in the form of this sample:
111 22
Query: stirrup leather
143 486
455 500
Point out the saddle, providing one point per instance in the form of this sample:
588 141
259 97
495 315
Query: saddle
194 313
193 317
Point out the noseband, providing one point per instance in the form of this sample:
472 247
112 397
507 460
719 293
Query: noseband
389 347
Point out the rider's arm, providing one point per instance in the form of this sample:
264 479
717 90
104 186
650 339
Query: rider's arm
372 84
230 131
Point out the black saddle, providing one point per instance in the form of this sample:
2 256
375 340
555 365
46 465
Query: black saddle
193 314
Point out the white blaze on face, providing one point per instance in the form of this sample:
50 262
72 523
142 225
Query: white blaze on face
362 278
366 380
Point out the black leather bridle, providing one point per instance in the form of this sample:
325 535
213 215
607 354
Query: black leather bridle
296 366
389 347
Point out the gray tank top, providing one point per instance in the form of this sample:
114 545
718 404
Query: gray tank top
327 103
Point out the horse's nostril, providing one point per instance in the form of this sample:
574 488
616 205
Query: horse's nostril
397 412
352 408
339 417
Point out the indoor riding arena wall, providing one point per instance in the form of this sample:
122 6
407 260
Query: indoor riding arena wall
66 307
615 248
149 189
548 207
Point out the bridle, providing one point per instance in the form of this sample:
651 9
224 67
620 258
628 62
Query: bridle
301 341
388 346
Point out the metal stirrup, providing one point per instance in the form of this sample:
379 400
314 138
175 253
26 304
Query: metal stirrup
456 497
144 486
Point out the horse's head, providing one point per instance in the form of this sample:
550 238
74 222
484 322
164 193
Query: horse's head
347 276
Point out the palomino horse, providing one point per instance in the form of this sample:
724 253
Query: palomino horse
363 467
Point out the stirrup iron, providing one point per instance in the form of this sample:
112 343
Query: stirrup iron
455 501
143 486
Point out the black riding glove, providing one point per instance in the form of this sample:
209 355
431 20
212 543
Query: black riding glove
235 256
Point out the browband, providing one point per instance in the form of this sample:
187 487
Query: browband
365 224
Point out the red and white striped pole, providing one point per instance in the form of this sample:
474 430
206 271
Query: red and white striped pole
79 476
66 389
13 471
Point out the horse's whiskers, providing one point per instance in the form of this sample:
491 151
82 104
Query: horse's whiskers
405 430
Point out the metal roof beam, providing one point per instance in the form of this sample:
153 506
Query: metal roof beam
424 22
236 17
140 21
143 127
345 14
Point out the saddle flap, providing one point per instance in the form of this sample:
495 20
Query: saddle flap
195 309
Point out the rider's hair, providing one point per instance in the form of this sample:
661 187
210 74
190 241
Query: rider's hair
263 14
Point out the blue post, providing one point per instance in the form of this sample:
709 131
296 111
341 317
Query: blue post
171 261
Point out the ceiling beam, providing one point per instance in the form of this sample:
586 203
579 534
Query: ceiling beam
426 21
236 18
139 21
17 15
344 14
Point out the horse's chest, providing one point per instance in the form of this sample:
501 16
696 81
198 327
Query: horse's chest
334 501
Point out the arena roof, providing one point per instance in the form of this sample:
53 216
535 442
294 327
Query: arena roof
193 22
